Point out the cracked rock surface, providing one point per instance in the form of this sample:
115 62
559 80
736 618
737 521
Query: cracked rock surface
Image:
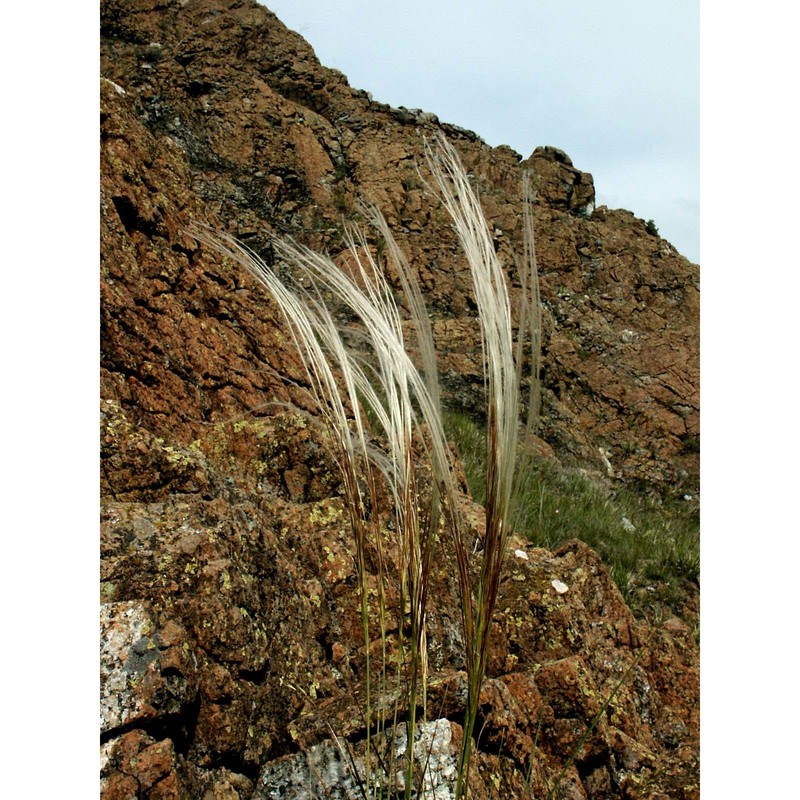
231 639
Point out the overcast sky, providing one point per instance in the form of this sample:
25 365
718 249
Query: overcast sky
615 83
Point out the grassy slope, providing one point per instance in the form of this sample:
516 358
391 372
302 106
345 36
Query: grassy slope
652 551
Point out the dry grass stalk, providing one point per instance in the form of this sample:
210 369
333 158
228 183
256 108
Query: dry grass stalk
405 404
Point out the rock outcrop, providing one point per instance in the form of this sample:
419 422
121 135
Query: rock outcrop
214 111
231 637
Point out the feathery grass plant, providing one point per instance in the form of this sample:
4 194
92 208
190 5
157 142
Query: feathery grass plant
387 387
502 375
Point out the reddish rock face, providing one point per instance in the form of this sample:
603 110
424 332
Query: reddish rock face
214 112
227 568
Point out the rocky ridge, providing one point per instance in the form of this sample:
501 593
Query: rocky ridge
230 637
271 141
